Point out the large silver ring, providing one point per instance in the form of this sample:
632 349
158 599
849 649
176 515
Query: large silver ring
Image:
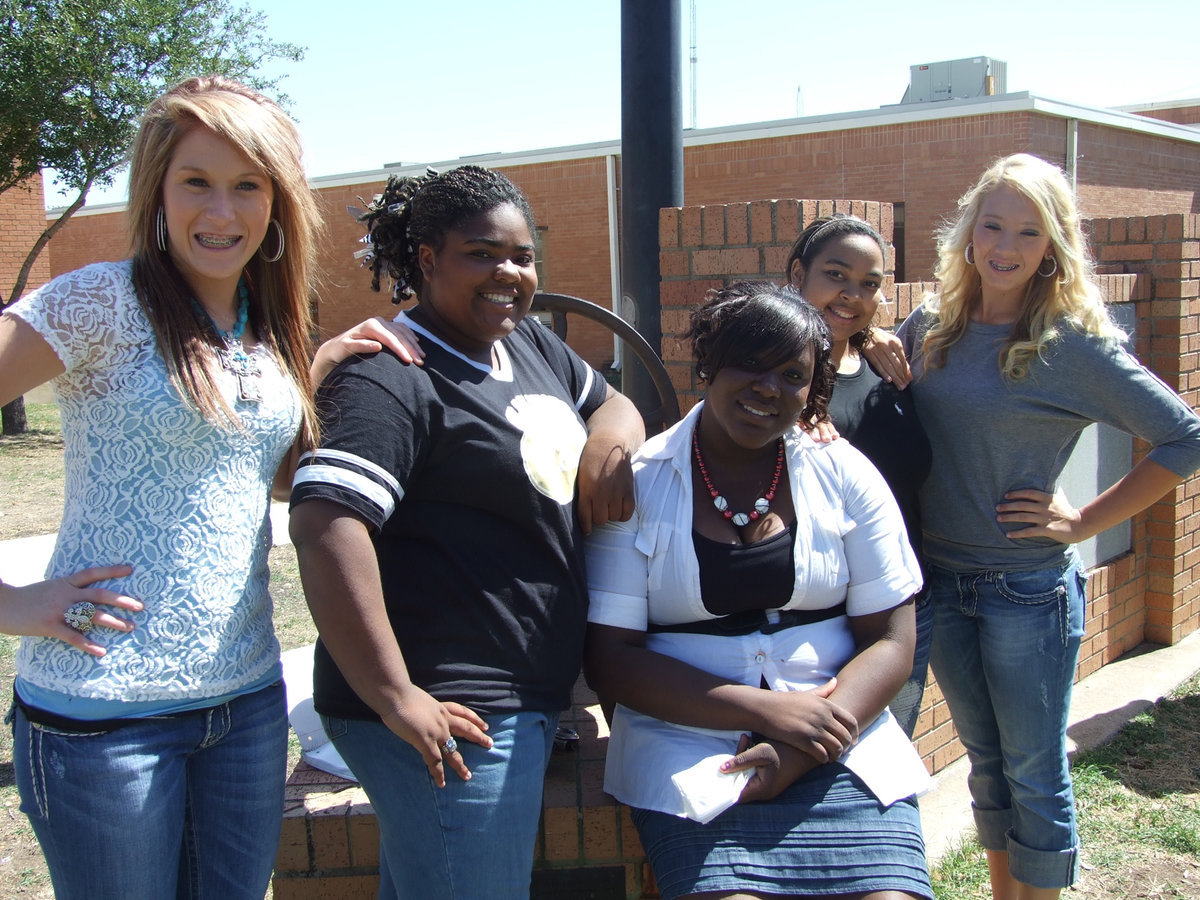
79 616
449 746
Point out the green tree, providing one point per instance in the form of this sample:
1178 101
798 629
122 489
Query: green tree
75 76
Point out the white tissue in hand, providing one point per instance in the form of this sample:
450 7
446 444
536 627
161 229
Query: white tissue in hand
706 790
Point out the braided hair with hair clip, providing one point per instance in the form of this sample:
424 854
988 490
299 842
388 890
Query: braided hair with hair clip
416 210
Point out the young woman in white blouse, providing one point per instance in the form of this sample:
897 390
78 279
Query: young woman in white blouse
754 616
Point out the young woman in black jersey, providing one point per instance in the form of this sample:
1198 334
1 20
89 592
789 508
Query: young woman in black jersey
439 527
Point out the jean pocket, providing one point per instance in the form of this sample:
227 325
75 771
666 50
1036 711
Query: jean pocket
51 753
1034 588
334 727
921 597
1078 612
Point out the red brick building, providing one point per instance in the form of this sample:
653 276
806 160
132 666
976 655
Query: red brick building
917 157
1137 173
22 219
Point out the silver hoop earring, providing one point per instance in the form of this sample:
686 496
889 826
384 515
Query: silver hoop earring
969 253
279 252
160 229
1053 271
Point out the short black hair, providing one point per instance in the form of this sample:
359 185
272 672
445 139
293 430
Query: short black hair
766 324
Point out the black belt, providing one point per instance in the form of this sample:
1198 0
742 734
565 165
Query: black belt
750 621
39 716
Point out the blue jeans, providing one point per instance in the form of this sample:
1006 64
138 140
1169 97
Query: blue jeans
468 840
906 706
184 806
1005 646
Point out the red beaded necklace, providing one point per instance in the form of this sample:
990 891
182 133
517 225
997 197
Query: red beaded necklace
761 506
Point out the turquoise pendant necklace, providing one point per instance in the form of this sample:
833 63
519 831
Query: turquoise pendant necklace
232 354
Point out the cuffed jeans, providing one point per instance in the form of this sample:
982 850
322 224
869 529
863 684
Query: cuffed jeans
469 839
185 806
1005 645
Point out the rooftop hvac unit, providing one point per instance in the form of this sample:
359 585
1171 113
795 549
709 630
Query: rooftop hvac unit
978 76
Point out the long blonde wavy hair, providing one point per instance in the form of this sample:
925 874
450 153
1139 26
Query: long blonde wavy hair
281 292
1069 295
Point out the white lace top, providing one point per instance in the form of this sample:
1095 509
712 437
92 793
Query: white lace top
151 483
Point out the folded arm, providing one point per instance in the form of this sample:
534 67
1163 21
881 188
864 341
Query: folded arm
621 669
865 685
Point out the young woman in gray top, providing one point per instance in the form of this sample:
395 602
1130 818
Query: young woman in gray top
1014 358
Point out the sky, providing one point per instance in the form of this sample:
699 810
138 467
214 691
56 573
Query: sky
415 82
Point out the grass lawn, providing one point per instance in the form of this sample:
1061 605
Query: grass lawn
1138 800
31 476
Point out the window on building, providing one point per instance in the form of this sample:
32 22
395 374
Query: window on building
539 256
898 240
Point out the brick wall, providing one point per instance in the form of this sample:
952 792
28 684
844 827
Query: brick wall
1159 258
928 165
1184 114
88 237
22 220
1124 173
924 165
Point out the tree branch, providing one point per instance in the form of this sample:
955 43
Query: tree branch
40 243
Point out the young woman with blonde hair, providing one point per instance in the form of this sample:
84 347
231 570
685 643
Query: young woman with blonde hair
149 747
1011 362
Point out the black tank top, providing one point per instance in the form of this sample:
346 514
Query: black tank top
739 577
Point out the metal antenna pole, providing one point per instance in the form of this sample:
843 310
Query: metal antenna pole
693 66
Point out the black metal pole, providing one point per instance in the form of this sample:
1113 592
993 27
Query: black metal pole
651 167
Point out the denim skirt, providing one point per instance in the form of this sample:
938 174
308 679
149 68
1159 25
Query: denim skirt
826 834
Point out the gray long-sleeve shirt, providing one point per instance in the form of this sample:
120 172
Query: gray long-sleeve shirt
991 435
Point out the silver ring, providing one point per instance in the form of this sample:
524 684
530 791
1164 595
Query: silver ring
79 616
449 746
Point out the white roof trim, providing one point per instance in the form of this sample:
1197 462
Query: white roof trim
886 115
